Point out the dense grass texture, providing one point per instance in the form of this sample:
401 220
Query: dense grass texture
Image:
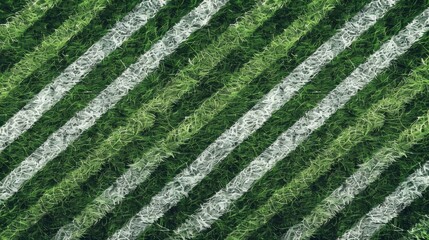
214 119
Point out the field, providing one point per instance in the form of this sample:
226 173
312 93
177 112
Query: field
214 119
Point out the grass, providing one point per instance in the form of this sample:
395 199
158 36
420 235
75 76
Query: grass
238 159
143 119
373 119
420 230
50 46
408 190
217 205
21 21
34 34
193 123
329 207
107 99
166 117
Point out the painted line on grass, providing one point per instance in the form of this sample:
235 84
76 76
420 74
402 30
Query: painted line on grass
144 117
170 195
51 45
209 109
218 204
84 119
75 72
367 173
22 20
402 197
372 119
138 173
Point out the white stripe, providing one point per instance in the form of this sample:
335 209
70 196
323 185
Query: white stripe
343 195
218 204
84 119
74 73
217 151
402 197
251 19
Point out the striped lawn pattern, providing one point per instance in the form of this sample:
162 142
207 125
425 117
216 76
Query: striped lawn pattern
73 74
217 205
21 21
154 174
392 104
409 190
85 12
84 119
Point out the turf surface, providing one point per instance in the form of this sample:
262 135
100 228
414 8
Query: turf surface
198 92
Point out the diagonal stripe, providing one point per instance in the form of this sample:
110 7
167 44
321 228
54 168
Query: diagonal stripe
218 204
73 74
175 190
278 48
51 45
372 119
84 119
208 157
361 179
402 197
143 119
21 21
138 172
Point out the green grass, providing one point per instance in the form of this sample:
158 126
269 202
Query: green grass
177 106
202 115
263 138
374 118
21 21
35 33
387 182
85 12
143 119
420 230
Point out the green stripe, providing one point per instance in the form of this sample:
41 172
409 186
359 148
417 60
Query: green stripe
298 160
77 46
35 33
144 118
421 230
351 136
187 104
209 109
21 21
212 106
304 100
50 46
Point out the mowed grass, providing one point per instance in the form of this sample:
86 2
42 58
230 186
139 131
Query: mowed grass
34 33
168 119
216 102
51 45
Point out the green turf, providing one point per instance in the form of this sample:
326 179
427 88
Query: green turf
108 70
218 101
279 123
51 45
18 23
420 230
34 34
287 169
8 8
124 134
